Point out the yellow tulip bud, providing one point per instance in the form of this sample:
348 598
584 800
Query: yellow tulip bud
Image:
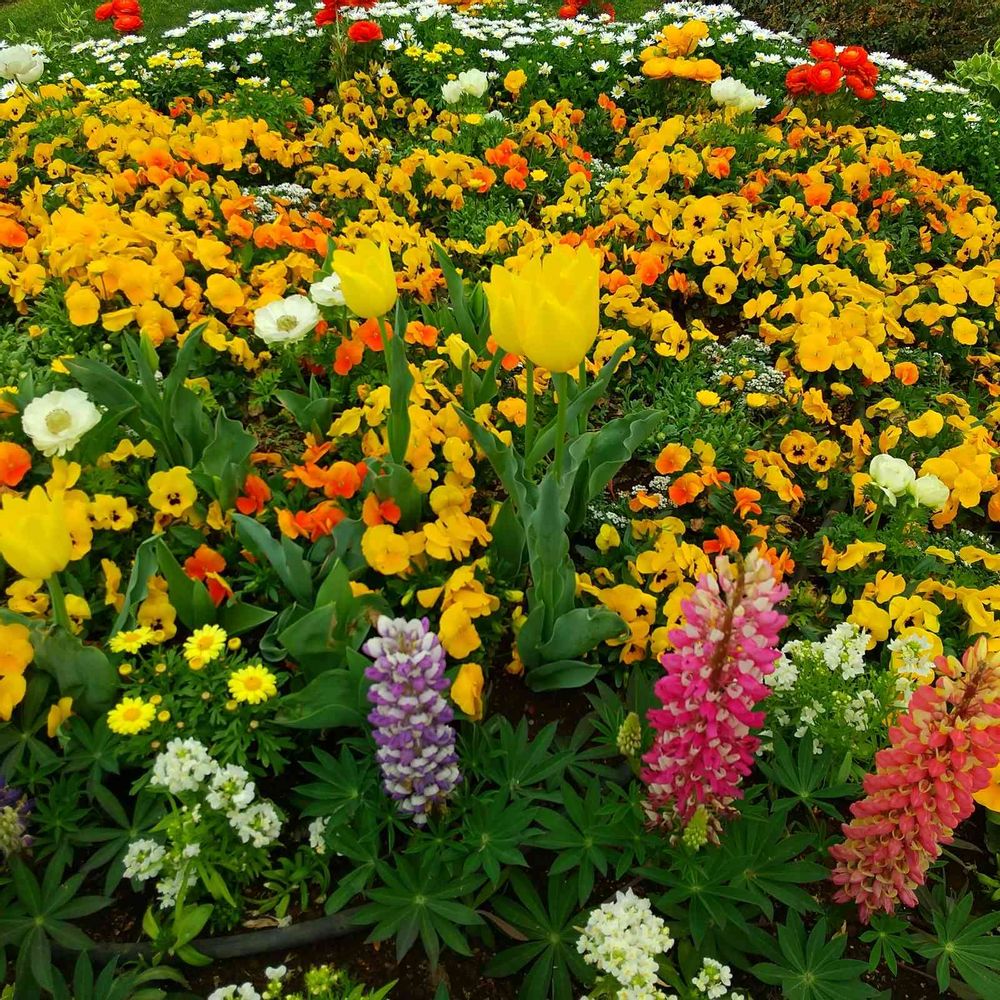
367 278
34 538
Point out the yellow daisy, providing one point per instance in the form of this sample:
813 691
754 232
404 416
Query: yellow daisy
252 684
130 716
204 645
131 641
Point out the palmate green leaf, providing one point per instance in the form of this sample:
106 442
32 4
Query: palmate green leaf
519 763
806 775
891 940
550 927
813 968
963 946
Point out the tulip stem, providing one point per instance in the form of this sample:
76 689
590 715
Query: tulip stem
59 613
581 420
562 389
529 398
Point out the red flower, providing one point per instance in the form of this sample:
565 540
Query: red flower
825 76
364 31
14 463
568 11
326 16
128 22
207 565
104 12
797 79
821 49
852 56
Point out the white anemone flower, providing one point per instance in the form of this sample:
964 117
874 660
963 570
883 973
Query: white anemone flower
23 63
58 420
327 292
286 320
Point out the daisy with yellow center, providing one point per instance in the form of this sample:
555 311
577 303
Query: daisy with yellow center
204 645
131 716
131 641
252 684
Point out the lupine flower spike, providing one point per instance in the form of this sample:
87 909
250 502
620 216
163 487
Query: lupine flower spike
714 677
14 811
411 718
941 753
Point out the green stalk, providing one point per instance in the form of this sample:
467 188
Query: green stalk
562 388
581 384
58 595
529 396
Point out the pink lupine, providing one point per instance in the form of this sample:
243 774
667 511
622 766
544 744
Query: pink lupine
941 753
714 675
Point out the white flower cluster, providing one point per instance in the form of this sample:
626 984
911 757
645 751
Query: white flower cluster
624 939
246 991
844 650
186 767
733 93
713 981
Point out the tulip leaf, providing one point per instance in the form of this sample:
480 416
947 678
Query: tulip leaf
285 556
400 386
144 566
82 673
552 574
577 409
580 630
237 617
507 551
561 674
599 455
190 597
225 460
334 698
396 483
456 291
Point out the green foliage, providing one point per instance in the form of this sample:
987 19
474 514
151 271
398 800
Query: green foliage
981 73
812 967
961 944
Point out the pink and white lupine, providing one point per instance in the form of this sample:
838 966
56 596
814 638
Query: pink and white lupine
704 743
941 753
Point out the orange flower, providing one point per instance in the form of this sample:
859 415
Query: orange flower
421 333
256 493
375 512
782 563
686 488
349 353
312 524
12 234
746 501
344 479
672 459
372 335
726 540
207 565
907 372
14 463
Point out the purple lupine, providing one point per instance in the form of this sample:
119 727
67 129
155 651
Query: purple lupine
416 744
14 810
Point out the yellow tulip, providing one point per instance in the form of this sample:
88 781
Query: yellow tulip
467 691
367 279
34 537
550 311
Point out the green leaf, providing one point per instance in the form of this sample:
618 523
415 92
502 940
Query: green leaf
190 597
400 386
580 630
82 673
285 556
561 674
334 698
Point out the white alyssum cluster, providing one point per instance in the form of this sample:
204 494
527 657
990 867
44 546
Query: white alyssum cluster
624 939
186 769
246 991
713 981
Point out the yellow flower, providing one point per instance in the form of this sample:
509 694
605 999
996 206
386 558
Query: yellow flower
204 645
550 310
384 550
172 492
82 304
457 633
131 641
467 691
16 651
224 293
367 278
706 397
252 684
720 283
34 537
928 424
608 538
990 795
12 690
515 80
131 716
58 714
869 616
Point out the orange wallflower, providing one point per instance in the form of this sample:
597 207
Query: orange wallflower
207 565
255 495
726 540
745 500
685 489
374 511
672 459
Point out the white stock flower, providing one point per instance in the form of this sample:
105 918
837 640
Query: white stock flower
286 320
58 420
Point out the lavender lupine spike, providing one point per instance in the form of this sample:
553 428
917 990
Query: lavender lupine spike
416 743
15 807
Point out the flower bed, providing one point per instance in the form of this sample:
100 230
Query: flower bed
529 484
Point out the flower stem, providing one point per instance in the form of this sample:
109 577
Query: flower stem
529 398
562 389
59 613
